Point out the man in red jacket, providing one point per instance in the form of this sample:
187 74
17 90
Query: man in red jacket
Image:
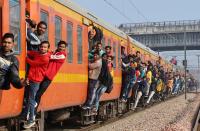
38 61
56 61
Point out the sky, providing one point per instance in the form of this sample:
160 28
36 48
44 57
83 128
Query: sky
136 11
142 10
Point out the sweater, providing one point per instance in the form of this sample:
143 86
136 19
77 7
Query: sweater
56 61
38 65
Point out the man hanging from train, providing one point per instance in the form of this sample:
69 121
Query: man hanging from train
56 61
94 35
38 61
9 65
105 79
35 37
94 71
31 39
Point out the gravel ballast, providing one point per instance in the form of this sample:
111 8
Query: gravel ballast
173 115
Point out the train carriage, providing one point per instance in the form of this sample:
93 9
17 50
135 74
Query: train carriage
70 23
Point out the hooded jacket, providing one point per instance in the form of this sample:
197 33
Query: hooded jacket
9 71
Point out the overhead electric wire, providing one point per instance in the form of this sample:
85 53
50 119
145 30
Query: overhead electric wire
119 11
138 11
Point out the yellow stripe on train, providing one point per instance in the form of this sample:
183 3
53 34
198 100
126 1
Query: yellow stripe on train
78 78
71 78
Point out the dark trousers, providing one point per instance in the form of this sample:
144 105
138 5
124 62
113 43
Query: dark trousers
43 87
93 85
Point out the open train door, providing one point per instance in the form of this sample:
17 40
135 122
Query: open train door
0 19
12 19
0 36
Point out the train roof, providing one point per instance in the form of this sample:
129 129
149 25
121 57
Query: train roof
101 22
91 16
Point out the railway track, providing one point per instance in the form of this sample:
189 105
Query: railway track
111 120
196 122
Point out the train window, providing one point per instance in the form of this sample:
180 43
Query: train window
14 6
58 23
44 17
70 41
80 40
109 41
119 56
114 55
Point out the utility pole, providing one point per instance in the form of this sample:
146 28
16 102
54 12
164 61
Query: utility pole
198 71
198 61
185 63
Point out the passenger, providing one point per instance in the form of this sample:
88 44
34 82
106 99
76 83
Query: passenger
91 37
110 64
108 50
142 85
93 84
99 49
55 63
162 73
32 40
126 62
130 80
105 78
182 81
9 65
176 84
169 83
41 30
38 65
154 83
148 78
124 56
90 53
137 58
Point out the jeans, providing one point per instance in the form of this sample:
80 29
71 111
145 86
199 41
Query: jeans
43 87
99 92
34 87
176 88
127 87
93 84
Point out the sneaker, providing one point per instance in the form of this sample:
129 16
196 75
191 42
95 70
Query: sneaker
133 109
29 124
86 107
123 100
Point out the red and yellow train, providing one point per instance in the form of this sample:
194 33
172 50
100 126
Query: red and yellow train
71 23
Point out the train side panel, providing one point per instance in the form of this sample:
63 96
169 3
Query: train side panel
11 100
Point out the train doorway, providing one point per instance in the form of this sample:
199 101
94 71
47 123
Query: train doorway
0 20
0 41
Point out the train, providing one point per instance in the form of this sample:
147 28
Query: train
68 91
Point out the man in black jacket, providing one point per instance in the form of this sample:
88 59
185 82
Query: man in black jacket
9 65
